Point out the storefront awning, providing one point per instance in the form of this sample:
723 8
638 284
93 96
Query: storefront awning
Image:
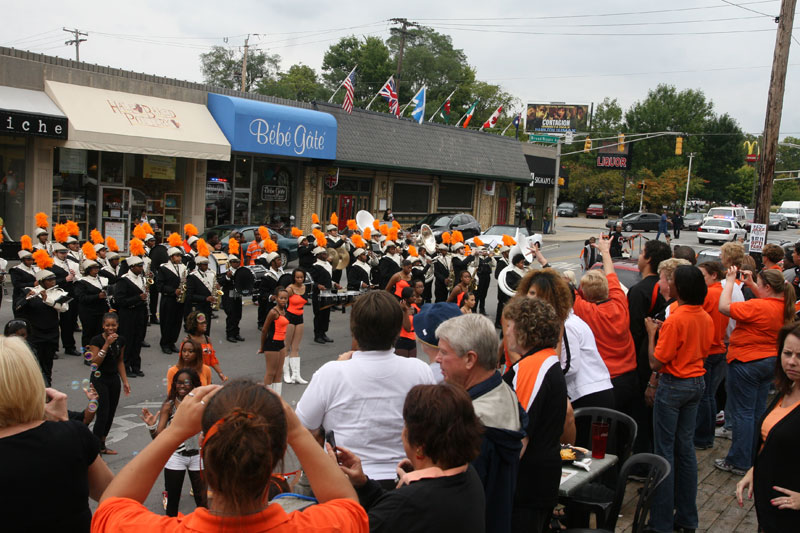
27 112
264 128
114 121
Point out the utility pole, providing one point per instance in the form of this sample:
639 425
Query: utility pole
403 32
688 180
641 197
772 122
244 63
76 41
557 174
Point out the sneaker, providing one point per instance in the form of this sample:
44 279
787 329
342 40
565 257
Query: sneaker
725 466
723 433
720 418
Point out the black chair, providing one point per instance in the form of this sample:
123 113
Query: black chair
655 469
597 497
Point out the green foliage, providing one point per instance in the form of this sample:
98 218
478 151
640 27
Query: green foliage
222 67
587 185
298 83
740 188
720 154
374 67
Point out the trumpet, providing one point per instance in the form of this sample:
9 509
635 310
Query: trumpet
182 292
217 299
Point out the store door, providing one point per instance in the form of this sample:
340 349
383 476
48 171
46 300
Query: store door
241 206
346 210
115 214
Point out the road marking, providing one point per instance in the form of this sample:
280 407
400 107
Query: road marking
122 425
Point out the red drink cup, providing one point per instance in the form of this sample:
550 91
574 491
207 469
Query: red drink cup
599 439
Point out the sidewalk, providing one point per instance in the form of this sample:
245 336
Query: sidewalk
576 229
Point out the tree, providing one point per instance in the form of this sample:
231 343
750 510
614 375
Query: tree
222 67
374 66
720 155
298 83
587 185
607 118
740 189
669 188
666 109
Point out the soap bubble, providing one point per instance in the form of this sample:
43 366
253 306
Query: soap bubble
75 385
97 373
135 454
85 384
93 367
164 381
92 406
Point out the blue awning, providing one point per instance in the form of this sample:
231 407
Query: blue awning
264 128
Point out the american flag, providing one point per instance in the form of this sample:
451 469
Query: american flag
390 94
349 84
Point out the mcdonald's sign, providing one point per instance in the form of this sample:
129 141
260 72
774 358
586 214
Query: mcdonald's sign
753 151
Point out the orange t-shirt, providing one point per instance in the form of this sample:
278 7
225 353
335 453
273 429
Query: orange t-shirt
684 340
205 376
280 328
775 416
756 333
123 515
711 306
610 323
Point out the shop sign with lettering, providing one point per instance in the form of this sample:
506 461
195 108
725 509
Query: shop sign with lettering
15 122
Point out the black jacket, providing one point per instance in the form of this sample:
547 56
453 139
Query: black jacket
89 300
501 264
127 296
460 265
168 280
196 291
304 257
355 277
641 305
774 467
321 277
20 279
43 319
387 267
440 272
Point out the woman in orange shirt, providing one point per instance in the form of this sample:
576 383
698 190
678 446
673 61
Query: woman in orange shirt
683 344
190 356
406 344
294 331
273 334
246 430
715 362
197 326
775 481
751 359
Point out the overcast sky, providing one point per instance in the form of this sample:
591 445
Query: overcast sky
577 52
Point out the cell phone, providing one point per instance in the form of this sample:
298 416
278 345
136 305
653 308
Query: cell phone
330 438
407 467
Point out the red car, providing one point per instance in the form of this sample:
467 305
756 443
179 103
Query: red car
595 211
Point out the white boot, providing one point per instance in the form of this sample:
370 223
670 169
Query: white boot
287 375
277 387
294 362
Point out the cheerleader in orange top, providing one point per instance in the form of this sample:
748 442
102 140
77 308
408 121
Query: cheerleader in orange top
197 325
294 331
462 288
406 345
273 335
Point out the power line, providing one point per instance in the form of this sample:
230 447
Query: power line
741 6
76 41
604 25
648 34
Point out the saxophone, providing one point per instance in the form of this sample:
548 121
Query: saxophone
182 288
217 298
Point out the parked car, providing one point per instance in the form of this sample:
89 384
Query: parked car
595 211
567 209
778 221
442 222
791 210
735 213
720 230
639 222
692 221
287 246
493 236
627 271
749 215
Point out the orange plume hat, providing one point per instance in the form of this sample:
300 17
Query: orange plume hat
314 218
446 238
367 233
60 232
174 240
190 230
73 228
88 251
233 247
42 259
137 247
202 248
139 232
111 242
41 220
96 236
26 243
296 232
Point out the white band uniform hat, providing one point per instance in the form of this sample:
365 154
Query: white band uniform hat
319 250
175 251
134 260
22 254
44 274
201 260
39 231
332 227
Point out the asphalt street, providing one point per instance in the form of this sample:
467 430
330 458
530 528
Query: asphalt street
128 434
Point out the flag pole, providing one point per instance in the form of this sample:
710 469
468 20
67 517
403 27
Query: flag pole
442 105
509 125
465 114
379 92
342 83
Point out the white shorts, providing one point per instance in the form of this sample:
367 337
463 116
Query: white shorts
181 462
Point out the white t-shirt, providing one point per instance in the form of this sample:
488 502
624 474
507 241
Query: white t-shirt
587 372
736 296
361 400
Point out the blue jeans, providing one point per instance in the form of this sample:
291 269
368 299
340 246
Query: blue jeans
546 225
663 230
674 418
747 388
707 410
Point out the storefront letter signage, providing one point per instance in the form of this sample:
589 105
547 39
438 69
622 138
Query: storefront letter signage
301 140
30 124
274 193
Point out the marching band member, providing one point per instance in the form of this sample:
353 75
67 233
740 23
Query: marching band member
101 251
305 256
502 263
41 307
75 254
486 264
268 284
460 261
23 276
335 241
91 293
157 256
43 241
130 299
111 272
231 301
65 279
358 277
441 273
200 290
189 257
389 264
321 272
172 279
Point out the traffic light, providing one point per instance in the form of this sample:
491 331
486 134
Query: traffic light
587 145
678 145
640 185
621 141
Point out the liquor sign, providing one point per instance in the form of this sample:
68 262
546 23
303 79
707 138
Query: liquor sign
612 155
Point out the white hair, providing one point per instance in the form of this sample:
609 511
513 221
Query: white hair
472 332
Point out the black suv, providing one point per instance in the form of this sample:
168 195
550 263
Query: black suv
441 222
567 209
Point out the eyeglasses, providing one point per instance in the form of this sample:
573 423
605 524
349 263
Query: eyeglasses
186 382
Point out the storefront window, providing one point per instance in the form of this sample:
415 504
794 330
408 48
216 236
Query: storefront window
156 184
346 198
271 198
456 196
12 168
219 192
75 188
241 195
111 165
410 198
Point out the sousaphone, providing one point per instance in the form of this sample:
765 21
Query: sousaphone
364 220
427 239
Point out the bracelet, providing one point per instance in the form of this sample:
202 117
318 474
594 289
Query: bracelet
101 354
546 265
152 428
651 386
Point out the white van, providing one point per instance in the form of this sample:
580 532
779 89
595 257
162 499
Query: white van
791 210
734 213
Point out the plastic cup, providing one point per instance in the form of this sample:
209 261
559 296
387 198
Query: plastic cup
599 439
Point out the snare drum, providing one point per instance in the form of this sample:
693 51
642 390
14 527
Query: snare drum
327 298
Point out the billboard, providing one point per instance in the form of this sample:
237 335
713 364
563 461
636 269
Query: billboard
556 118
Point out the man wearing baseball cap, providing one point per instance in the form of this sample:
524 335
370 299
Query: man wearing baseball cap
425 323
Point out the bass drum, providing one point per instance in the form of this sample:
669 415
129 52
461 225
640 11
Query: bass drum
244 281
285 280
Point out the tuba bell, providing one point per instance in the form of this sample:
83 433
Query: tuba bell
502 284
364 220
427 239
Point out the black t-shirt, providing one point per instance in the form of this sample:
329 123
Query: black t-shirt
108 367
44 480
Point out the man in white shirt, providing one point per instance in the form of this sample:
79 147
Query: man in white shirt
361 399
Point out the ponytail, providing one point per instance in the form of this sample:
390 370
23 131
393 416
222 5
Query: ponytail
775 281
